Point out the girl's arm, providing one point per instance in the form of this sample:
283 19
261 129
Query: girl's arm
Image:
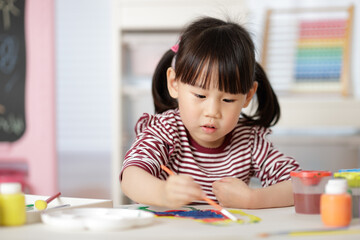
233 192
176 191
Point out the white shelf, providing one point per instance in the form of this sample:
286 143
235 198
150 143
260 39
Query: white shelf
319 112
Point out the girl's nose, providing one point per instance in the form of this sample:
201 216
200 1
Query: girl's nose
212 109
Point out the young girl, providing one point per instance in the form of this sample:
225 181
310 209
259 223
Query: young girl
199 132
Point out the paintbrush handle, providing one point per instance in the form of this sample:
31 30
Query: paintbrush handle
52 197
214 204
211 202
208 200
166 169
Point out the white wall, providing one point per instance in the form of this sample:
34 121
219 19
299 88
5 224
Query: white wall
84 74
83 66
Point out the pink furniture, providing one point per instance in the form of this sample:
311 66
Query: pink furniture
36 149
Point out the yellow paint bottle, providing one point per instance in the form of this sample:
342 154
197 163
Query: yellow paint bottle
12 205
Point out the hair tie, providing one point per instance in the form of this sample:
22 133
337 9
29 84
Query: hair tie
175 48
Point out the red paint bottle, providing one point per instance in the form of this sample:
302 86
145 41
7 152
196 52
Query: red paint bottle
335 204
308 187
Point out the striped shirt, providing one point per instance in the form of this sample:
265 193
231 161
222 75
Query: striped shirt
245 153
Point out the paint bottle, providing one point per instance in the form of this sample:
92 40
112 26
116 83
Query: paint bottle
335 204
0 209
353 179
12 205
308 187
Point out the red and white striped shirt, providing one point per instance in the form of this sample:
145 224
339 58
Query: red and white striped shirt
245 153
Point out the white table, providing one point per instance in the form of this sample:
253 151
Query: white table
273 220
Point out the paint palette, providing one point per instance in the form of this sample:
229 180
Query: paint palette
208 216
98 219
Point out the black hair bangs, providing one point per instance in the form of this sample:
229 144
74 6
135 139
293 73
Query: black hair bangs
211 59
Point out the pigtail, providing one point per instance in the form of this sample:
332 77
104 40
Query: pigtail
161 97
267 113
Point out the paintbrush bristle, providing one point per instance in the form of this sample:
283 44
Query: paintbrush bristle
229 215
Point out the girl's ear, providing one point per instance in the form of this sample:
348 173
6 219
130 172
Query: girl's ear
250 94
172 83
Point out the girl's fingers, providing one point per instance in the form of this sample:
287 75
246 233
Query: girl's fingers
184 188
226 179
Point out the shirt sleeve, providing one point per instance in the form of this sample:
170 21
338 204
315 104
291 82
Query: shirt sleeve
268 163
151 147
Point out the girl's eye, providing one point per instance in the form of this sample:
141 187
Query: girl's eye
228 100
199 96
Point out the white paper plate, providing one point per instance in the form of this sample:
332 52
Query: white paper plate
101 219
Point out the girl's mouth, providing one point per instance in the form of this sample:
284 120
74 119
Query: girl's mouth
208 128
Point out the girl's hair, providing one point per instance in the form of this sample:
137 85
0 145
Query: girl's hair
209 44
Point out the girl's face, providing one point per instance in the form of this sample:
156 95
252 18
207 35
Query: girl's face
208 114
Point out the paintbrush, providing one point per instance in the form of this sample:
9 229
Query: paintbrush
313 232
208 200
42 204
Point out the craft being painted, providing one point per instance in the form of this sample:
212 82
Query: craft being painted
209 216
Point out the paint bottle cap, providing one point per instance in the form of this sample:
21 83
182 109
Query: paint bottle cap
310 178
353 178
350 170
336 186
10 188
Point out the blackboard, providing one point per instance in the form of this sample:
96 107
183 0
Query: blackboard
12 70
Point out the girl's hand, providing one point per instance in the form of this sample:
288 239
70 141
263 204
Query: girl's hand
181 190
233 192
